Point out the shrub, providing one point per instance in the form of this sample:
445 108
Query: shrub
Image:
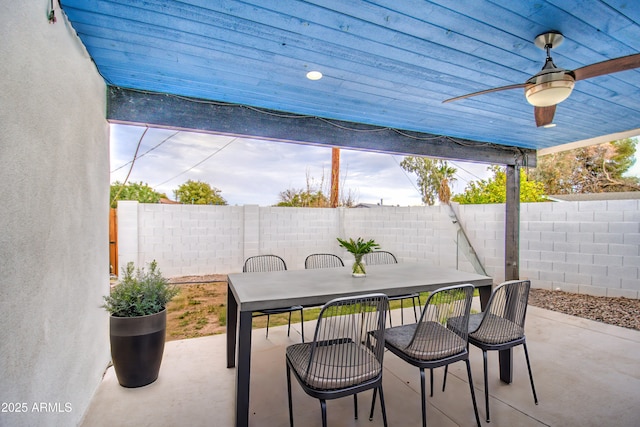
139 294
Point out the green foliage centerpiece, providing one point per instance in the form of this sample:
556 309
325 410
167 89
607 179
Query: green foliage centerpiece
138 324
358 248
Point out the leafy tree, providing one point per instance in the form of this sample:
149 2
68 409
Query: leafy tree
303 199
494 189
314 196
133 191
594 169
198 193
434 176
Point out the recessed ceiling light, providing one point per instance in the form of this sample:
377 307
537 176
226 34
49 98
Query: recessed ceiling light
550 125
314 75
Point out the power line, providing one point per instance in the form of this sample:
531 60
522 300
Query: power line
148 151
133 161
470 173
199 163
413 184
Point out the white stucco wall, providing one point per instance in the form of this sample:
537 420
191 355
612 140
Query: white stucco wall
54 171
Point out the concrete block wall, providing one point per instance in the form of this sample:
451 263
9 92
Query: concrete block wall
584 247
183 239
295 233
411 233
197 240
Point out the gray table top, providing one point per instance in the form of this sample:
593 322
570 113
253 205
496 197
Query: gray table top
259 291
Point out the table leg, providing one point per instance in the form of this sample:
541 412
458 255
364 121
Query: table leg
232 323
505 357
485 294
243 370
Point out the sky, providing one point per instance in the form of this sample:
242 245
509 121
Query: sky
251 171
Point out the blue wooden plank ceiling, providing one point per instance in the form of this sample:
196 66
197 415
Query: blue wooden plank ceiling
388 63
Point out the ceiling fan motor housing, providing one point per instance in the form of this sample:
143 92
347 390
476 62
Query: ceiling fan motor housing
551 85
549 88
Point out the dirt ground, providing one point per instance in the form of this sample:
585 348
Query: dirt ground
200 308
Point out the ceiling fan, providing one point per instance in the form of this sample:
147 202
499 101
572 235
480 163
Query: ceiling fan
553 85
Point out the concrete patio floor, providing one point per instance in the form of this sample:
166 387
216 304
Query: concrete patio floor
586 374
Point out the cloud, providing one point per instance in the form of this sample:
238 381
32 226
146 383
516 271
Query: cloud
249 171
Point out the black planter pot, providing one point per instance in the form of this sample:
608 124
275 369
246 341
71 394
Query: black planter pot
137 345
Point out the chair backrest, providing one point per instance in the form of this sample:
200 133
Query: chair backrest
348 343
442 330
262 263
380 257
505 314
323 261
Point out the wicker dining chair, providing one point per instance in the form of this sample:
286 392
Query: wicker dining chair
264 263
430 343
500 327
384 257
323 261
346 354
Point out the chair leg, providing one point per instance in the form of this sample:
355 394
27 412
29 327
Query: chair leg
355 406
431 380
373 403
323 408
473 394
302 324
289 395
486 384
444 378
533 388
446 371
384 409
268 320
424 398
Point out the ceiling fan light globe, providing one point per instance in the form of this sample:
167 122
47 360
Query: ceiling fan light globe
550 89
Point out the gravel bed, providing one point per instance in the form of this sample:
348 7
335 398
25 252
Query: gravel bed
623 312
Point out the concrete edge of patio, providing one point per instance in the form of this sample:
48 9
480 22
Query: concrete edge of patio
585 372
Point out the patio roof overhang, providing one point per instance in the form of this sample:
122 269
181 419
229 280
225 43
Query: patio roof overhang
386 65
164 110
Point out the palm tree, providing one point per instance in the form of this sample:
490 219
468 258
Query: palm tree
434 178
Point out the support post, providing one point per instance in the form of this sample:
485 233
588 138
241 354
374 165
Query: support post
511 253
512 225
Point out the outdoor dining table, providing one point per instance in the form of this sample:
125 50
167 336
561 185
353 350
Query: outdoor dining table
249 292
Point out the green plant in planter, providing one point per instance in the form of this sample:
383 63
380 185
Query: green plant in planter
138 323
139 294
358 248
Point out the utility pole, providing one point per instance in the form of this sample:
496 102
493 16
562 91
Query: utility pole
335 176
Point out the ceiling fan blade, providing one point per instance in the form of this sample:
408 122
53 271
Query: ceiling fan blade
544 115
482 92
607 67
